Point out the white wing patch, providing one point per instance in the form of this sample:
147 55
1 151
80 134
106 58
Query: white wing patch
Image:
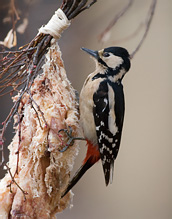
106 102
111 119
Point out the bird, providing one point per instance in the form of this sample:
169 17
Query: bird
102 107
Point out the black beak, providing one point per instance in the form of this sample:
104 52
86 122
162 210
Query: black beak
91 52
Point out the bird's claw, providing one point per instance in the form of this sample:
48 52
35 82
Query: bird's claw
71 139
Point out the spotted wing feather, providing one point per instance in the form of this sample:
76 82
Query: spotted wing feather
108 113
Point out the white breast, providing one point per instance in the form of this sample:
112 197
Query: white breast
86 108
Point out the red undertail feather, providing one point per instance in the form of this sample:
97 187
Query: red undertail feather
92 153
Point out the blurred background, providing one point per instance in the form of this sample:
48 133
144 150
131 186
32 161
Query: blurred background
142 186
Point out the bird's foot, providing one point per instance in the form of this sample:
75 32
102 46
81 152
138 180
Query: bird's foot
71 139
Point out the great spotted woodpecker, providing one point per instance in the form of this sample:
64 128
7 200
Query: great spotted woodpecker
102 110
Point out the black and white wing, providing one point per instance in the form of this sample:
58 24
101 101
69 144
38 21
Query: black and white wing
108 113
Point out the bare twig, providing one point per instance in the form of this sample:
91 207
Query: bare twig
114 20
38 109
148 23
36 114
74 7
20 117
14 10
14 181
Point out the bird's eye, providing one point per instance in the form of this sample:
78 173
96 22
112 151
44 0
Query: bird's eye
106 54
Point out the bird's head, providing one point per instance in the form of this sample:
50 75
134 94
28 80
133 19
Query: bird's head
113 59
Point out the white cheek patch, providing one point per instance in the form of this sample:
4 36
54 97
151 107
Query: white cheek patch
113 61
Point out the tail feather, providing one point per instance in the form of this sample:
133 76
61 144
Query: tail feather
108 169
78 175
111 171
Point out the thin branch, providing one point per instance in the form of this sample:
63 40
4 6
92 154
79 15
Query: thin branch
114 20
36 114
15 15
19 141
14 181
39 110
14 9
148 23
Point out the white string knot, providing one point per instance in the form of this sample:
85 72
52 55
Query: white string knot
56 25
